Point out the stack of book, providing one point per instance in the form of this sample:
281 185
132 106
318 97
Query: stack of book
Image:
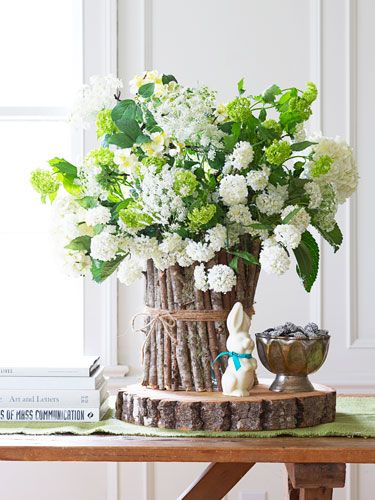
69 391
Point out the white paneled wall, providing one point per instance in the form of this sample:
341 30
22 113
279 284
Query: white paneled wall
290 42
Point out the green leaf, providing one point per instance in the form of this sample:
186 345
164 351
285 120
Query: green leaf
234 264
300 146
167 79
240 87
270 94
100 269
261 226
63 167
142 139
262 115
290 216
248 257
98 228
128 137
126 110
307 256
87 202
82 243
146 90
70 186
334 237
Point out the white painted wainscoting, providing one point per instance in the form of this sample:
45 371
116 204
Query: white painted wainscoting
290 42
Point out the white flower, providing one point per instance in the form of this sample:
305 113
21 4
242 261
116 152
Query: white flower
104 246
146 77
130 270
274 259
126 160
343 173
300 133
94 97
272 201
76 263
157 144
240 214
241 156
288 235
314 193
200 278
221 278
301 219
258 179
97 215
201 252
216 237
233 190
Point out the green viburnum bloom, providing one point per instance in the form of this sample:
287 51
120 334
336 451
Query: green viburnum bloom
185 183
311 93
238 110
321 166
154 160
104 123
324 217
101 156
273 125
301 106
278 152
199 217
133 217
44 183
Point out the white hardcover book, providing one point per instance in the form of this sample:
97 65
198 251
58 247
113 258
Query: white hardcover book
53 414
94 382
84 366
39 398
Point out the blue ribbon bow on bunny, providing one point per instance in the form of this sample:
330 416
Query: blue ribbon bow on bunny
235 356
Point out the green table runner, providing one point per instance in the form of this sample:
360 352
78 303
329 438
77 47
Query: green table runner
355 418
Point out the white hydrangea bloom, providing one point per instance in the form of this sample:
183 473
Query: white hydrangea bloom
67 218
200 252
130 270
104 246
88 173
76 263
301 219
126 161
288 235
97 215
233 190
221 278
94 97
241 156
200 278
258 179
343 174
240 214
274 259
314 193
272 201
216 237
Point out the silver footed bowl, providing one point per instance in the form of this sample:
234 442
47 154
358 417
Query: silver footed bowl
292 360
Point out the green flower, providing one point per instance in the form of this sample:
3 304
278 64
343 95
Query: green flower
134 218
324 217
199 217
300 106
321 166
154 160
101 156
185 183
311 93
104 123
278 152
273 125
239 109
44 183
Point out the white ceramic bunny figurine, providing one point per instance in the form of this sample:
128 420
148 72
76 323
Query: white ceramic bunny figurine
239 377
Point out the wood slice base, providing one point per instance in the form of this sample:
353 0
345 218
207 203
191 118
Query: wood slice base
212 411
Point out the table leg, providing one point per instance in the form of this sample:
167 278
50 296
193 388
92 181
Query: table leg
215 481
314 481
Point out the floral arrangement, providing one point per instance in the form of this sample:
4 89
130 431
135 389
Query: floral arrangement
177 178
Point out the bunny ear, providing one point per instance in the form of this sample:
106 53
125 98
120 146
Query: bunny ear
235 317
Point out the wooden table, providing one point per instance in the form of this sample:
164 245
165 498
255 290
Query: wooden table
315 466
